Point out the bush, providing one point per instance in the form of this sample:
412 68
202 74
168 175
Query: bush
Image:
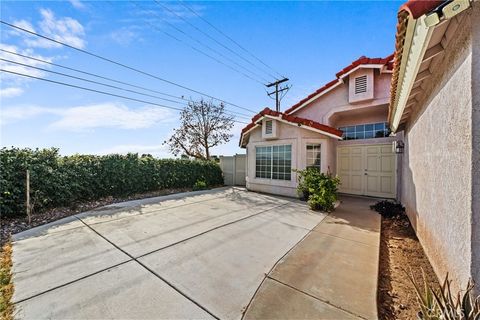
319 189
388 208
200 185
63 181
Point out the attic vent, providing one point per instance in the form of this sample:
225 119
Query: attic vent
361 84
268 127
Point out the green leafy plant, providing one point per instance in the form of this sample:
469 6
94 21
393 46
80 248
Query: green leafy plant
442 304
388 208
57 181
318 189
200 185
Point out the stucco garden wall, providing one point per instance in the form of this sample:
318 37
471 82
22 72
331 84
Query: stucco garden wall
437 163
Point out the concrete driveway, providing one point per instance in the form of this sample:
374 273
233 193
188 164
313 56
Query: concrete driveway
196 255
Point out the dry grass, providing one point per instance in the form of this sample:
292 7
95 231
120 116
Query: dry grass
6 283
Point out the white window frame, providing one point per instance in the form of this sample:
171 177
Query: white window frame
271 162
314 150
324 165
273 134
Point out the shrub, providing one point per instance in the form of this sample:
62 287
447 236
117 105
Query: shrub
388 208
66 180
200 185
442 303
319 189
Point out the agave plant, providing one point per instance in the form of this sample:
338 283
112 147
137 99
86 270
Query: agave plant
441 304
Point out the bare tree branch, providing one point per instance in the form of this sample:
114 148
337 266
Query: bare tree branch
203 125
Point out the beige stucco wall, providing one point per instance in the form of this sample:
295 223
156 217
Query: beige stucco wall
296 137
437 163
334 108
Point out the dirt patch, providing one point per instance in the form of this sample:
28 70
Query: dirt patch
400 252
11 226
6 284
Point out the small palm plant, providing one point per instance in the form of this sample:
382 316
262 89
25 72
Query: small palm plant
441 304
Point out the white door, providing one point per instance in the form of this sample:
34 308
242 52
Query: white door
367 170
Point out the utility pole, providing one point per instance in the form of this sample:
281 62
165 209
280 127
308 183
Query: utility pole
277 90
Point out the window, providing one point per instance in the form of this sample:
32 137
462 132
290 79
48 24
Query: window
268 127
361 84
274 162
314 156
366 131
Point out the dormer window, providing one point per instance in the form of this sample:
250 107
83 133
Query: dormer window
269 128
361 84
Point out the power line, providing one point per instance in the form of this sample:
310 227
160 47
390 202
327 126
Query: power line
107 85
99 91
216 41
199 50
91 74
122 65
229 38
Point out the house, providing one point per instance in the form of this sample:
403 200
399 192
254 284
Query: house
406 126
340 128
435 103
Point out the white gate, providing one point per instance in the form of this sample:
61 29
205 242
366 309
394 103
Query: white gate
234 169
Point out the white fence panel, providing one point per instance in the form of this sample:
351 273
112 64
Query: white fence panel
234 169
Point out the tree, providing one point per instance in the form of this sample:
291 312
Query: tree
204 125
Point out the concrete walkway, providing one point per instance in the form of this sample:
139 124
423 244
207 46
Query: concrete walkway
331 274
198 255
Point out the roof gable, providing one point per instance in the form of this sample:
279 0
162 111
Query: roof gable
363 61
292 120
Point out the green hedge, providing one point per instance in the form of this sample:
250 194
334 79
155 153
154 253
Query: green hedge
65 180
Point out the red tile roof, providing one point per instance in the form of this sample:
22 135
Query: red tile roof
292 119
360 61
410 9
417 8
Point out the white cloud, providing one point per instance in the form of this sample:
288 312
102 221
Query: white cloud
85 118
124 36
64 29
13 114
10 92
10 80
77 4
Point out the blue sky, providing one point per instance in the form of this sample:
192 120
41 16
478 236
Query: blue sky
306 41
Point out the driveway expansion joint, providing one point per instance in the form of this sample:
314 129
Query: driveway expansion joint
350 240
209 230
73 281
244 312
152 272
317 298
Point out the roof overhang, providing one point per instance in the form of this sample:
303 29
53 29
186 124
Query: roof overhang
258 120
420 42
362 66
